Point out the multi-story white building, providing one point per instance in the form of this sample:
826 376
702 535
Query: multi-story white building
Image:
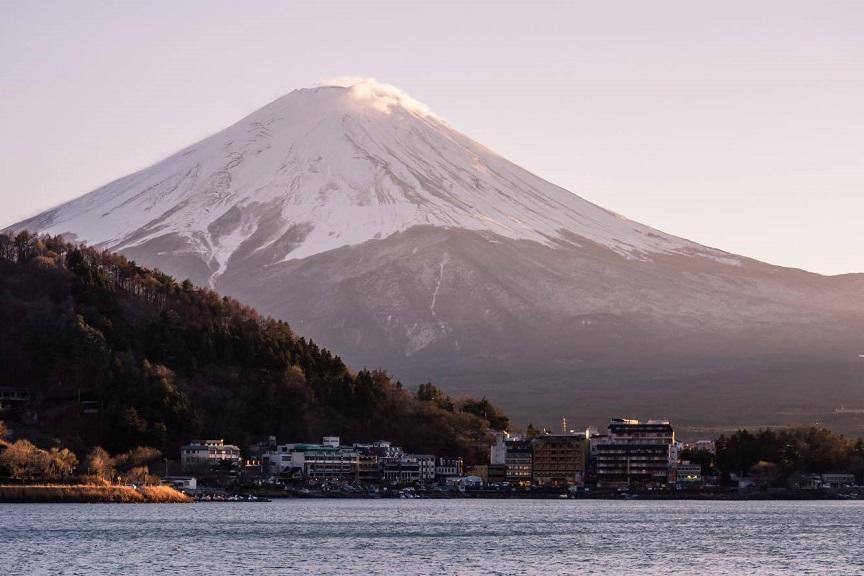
325 461
200 453
361 463
277 459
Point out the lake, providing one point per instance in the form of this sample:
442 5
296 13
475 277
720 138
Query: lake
486 537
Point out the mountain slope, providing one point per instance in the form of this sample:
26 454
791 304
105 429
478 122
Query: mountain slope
379 230
327 167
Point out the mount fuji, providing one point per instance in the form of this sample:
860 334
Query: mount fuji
373 226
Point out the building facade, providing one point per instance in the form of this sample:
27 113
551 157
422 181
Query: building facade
838 480
688 475
515 455
404 471
559 459
519 462
370 463
326 462
447 468
209 453
635 453
426 463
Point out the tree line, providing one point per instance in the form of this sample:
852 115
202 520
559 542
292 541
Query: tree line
776 457
118 355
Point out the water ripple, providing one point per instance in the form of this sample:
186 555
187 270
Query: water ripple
460 537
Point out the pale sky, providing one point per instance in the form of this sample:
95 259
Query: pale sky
737 124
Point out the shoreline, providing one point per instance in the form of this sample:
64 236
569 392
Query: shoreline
766 495
95 494
90 494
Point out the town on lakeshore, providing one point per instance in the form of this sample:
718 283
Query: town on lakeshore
103 401
630 459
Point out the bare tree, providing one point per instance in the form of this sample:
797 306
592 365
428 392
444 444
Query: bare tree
61 464
22 460
99 463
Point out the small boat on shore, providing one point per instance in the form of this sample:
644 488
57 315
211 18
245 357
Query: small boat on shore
228 498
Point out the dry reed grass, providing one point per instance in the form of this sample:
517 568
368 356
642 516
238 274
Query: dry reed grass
91 493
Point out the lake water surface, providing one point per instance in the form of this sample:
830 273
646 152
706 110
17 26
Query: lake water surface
434 537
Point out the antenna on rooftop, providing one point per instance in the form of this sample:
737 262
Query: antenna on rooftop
564 425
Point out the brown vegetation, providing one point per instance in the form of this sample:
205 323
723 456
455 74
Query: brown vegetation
131 466
92 493
24 461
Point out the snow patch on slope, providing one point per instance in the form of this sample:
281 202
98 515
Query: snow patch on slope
438 283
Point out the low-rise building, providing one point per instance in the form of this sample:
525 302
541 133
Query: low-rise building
209 453
326 462
804 481
182 483
318 462
688 475
403 471
838 480
465 482
447 468
700 445
277 458
370 463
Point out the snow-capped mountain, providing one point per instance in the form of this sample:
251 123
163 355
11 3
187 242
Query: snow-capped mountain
370 224
337 166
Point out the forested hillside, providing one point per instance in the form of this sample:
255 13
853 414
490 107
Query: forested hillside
116 355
